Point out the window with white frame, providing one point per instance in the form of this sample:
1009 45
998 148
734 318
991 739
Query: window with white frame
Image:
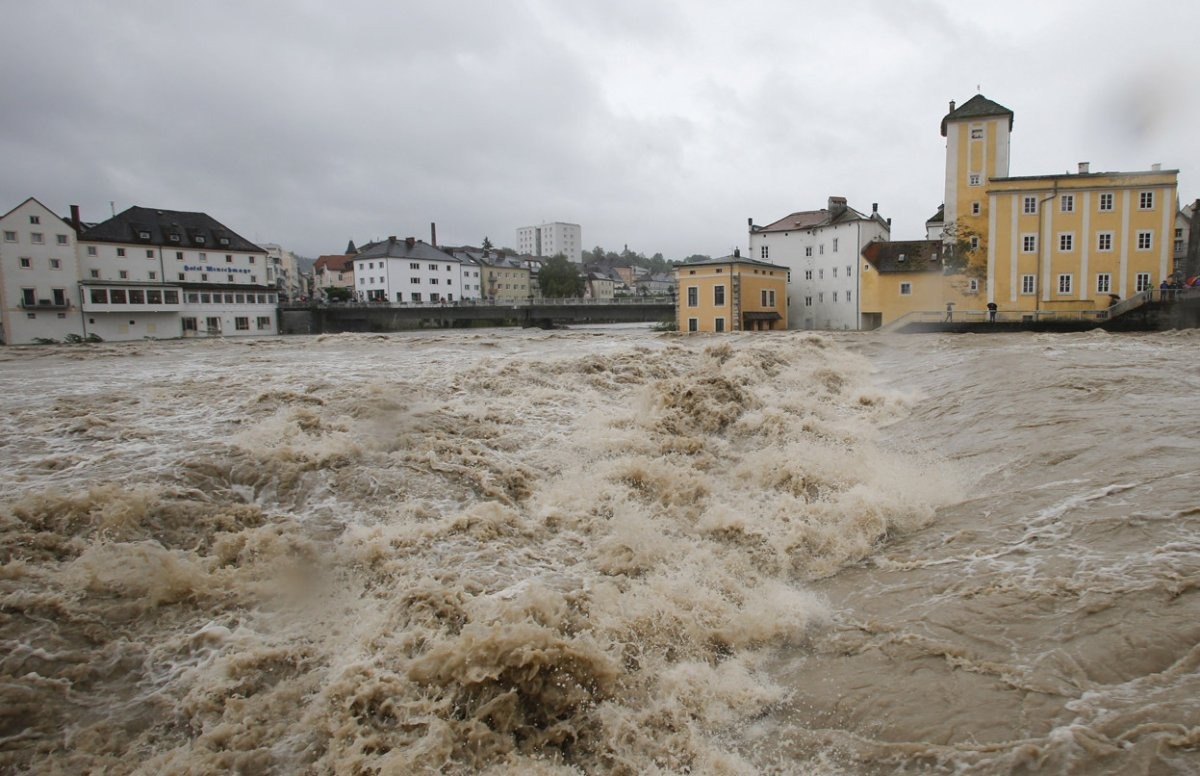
1142 281
764 252
975 208
1028 284
693 324
974 179
693 296
719 324
1145 239
835 244
37 238
55 263
848 266
1104 241
121 252
835 296
1105 202
1030 205
808 301
10 236
1028 243
835 272
848 295
1064 283
1103 283
973 286
808 250
1066 203
1066 242
821 274
808 274
1146 200
26 262
821 249
719 296
905 289
62 239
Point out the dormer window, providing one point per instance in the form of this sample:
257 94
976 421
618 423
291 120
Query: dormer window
173 238
224 241
200 239
143 235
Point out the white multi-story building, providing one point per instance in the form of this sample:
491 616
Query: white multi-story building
821 250
552 239
410 271
142 273
282 271
39 294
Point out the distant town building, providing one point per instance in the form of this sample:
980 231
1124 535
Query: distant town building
282 270
333 271
548 240
407 271
731 294
820 249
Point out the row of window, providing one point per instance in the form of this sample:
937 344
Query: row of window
718 324
767 296
847 297
764 251
1065 285
808 273
1104 241
58 297
134 296
1104 202
212 325
36 238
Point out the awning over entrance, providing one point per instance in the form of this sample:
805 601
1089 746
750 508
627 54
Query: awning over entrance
761 316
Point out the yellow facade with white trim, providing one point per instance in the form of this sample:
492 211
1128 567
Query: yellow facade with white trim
731 295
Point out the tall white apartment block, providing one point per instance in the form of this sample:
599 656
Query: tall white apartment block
552 239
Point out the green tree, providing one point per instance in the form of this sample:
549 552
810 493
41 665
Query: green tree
559 278
965 250
487 244
695 257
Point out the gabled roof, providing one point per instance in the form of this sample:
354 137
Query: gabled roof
392 248
335 262
169 228
938 217
904 255
810 219
43 207
976 108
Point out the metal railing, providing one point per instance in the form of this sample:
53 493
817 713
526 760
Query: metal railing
506 303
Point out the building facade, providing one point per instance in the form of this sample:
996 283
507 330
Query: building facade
548 240
335 270
144 273
283 271
820 249
39 276
407 271
908 275
731 294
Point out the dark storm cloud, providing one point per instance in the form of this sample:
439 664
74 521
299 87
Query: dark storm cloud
657 124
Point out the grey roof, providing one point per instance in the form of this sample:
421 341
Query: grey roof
392 248
811 219
938 217
976 108
194 230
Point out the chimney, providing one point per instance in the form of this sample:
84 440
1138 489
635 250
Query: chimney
409 242
837 205
1084 167
433 234
952 106
1156 167
889 222
75 222
737 253
874 207
392 240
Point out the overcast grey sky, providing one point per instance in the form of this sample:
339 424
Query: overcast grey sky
663 125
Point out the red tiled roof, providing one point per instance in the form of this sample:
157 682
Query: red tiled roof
335 263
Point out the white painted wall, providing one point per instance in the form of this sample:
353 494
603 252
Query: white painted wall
51 266
555 237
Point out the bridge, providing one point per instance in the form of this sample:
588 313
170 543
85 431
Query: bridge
545 313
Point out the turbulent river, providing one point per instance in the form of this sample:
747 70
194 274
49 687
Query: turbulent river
602 551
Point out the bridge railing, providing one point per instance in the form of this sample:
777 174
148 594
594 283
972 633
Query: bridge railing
497 303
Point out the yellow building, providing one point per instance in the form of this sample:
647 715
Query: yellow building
1079 242
900 277
1055 243
731 294
503 279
